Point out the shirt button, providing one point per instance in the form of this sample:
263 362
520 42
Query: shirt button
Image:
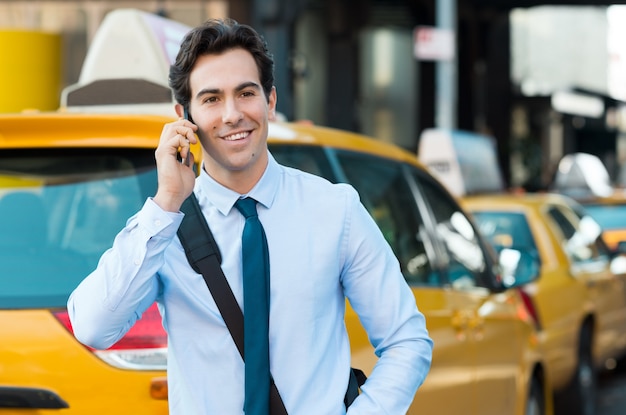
157 222
137 262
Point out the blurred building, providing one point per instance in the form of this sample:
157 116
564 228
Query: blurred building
350 64
568 88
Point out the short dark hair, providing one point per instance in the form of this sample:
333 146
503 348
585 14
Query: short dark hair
217 36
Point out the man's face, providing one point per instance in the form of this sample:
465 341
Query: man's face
232 113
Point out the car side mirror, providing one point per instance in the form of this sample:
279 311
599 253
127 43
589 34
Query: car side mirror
518 267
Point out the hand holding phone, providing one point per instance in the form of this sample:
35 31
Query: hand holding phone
175 164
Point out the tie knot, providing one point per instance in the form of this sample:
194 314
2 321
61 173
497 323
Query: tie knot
247 207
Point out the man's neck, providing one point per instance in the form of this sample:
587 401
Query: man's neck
240 181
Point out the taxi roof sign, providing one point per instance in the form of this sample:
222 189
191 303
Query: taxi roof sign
128 64
464 161
132 43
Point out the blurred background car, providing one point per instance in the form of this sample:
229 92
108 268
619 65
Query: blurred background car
584 178
579 303
485 351
610 213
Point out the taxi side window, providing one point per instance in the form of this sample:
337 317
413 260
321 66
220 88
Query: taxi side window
506 230
75 202
306 158
466 259
580 245
387 196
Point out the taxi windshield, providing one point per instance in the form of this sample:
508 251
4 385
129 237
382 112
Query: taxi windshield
59 211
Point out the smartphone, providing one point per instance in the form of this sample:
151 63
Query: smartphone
186 113
178 156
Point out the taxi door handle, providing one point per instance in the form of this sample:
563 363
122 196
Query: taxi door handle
477 326
460 320
459 325
476 322
464 321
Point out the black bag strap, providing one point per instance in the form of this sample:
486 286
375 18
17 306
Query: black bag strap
204 257
357 379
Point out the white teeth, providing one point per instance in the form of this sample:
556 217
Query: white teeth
234 137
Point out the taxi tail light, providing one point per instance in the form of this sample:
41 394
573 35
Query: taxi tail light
144 347
531 308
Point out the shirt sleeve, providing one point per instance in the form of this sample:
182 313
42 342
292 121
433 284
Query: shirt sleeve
106 304
386 306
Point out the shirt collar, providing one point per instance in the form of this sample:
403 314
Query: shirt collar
211 192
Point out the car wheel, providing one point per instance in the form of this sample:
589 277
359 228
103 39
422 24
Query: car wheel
580 396
535 404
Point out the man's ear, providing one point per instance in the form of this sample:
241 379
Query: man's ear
272 104
180 110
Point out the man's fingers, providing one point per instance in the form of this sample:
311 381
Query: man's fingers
187 130
176 139
186 133
182 139
184 149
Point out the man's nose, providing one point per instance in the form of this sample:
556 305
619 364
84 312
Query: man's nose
232 113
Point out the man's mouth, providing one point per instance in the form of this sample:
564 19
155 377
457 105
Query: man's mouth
237 136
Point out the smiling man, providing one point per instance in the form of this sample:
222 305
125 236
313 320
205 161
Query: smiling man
322 247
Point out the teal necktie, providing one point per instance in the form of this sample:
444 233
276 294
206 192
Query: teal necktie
255 258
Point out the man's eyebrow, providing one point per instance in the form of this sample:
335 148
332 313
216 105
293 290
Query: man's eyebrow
239 88
205 91
246 85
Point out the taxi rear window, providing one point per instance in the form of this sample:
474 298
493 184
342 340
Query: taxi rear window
60 209
506 230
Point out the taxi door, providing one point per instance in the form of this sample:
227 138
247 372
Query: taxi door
590 264
491 328
388 192
450 387
504 339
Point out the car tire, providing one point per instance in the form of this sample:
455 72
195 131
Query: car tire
535 405
580 396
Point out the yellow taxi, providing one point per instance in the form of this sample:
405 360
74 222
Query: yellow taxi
584 178
610 213
578 302
67 184
69 181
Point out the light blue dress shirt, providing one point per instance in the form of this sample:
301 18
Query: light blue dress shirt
324 246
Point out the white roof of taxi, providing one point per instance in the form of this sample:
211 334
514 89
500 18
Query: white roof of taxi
127 65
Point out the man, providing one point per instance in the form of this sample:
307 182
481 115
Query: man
323 247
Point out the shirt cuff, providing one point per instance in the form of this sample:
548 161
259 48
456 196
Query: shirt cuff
157 221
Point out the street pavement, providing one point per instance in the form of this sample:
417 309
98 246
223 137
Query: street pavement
612 393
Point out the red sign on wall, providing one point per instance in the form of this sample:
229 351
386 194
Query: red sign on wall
431 43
